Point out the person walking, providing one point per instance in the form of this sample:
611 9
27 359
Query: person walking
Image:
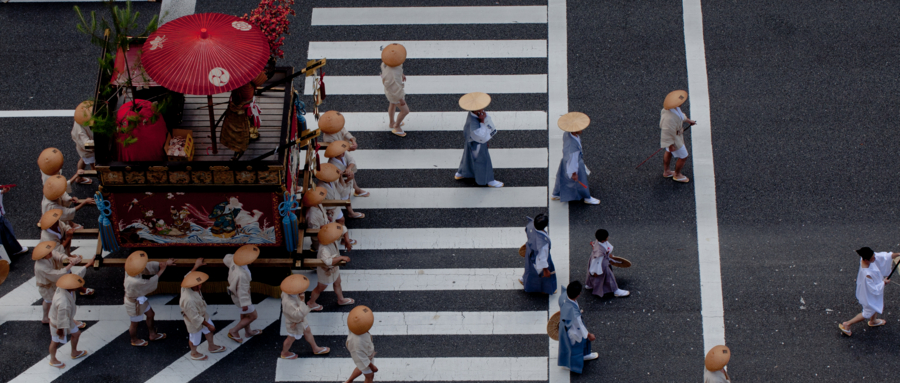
540 273
571 177
874 268
671 125
62 318
479 129
329 253
331 123
600 278
239 279
360 345
294 311
7 236
141 279
392 58
574 338
714 365
82 136
193 310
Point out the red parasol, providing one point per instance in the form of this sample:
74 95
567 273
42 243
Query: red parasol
205 54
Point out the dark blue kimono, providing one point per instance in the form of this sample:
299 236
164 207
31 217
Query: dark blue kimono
570 356
566 188
480 168
532 279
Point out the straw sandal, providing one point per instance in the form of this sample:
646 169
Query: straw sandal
293 356
218 350
143 343
204 357
81 355
323 352
60 366
316 308
878 322
159 336
348 302
236 339
845 330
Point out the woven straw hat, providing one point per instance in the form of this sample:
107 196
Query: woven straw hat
717 358
393 55
295 284
49 218
337 148
314 197
70 282
42 249
4 270
245 255
83 112
675 99
50 161
330 233
328 173
522 251
360 320
55 187
331 122
474 101
573 122
623 263
135 263
194 278
553 326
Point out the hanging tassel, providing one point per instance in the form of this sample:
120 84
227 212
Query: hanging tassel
107 234
289 222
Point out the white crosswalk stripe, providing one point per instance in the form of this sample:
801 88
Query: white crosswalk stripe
445 158
424 279
436 323
443 121
417 369
446 49
491 84
443 198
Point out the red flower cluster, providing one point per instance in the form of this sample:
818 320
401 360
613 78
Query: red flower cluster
271 18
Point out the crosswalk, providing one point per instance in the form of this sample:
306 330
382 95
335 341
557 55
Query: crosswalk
502 317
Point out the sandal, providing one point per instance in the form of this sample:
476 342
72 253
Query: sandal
398 134
316 308
351 301
159 336
353 242
218 350
143 343
668 175
81 355
365 193
87 291
683 179
253 333
293 356
357 215
85 181
204 357
878 322
82 325
60 366
232 337
845 330
323 352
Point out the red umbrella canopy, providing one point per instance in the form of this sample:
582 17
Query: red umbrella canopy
205 53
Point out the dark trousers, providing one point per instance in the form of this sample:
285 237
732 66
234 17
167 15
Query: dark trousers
8 237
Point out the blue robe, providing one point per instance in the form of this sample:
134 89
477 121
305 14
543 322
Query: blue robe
566 188
481 168
570 356
533 280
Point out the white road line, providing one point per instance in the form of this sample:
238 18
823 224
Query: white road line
92 340
424 279
184 369
429 15
38 113
438 198
90 243
27 293
438 49
435 323
558 97
704 179
443 121
439 238
459 84
446 158
416 369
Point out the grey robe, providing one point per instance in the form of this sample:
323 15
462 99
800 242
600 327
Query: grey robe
566 188
480 168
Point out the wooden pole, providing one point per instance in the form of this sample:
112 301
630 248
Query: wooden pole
212 124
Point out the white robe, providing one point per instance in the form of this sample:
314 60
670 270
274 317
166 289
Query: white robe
870 288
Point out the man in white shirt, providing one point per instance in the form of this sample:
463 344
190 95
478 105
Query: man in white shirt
671 127
870 281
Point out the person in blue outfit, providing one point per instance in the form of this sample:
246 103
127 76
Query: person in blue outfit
574 338
479 129
571 178
540 274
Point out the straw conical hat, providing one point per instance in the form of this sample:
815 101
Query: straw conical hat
49 218
573 122
717 358
328 173
522 251
294 284
55 187
330 233
474 101
50 161
331 122
360 320
70 282
621 262
135 263
194 278
245 255
675 99
4 270
42 249
553 326
337 148
83 112
393 55
314 197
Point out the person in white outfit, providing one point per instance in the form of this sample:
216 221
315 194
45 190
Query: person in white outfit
871 278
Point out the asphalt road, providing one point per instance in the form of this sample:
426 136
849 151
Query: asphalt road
802 98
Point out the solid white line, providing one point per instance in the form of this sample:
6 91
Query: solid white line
439 49
424 279
457 84
92 340
416 369
446 158
443 121
558 98
713 311
435 323
429 15
439 238
38 113
91 243
438 198
184 369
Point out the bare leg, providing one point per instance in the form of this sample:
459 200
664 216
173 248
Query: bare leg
315 294
80 167
246 319
404 111
53 347
338 291
151 315
370 377
679 163
249 318
391 112
286 349
355 374
858 318
46 307
307 334
667 159
132 331
211 341
74 343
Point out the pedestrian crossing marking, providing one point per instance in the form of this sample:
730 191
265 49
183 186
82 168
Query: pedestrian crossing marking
435 323
416 369
451 84
443 121
439 238
443 198
424 279
429 15
439 49
383 159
